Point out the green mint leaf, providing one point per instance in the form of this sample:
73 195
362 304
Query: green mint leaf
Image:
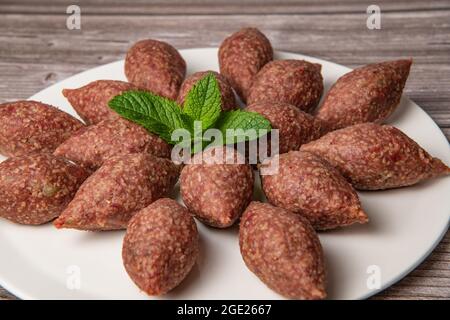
203 101
243 122
158 115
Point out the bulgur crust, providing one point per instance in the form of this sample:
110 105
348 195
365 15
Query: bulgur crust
367 94
117 190
282 249
30 126
97 143
35 188
309 186
296 82
155 66
160 247
374 157
241 56
91 101
295 126
216 194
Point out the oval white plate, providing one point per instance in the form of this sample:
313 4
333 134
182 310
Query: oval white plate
405 225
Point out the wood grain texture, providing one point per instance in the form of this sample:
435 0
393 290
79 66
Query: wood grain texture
5 295
38 50
209 7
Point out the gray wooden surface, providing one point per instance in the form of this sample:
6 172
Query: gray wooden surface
36 50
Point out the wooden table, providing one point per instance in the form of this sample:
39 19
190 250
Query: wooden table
36 50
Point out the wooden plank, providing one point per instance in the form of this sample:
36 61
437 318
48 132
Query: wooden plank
422 35
223 7
5 295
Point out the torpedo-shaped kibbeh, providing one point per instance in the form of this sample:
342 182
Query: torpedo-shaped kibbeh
117 190
295 126
309 186
241 56
28 126
297 82
283 251
155 66
217 192
91 101
93 145
35 188
367 94
374 157
160 247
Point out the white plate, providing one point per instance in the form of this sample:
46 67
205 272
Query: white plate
405 225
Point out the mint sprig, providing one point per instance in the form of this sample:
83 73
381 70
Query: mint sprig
157 114
163 116
203 101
